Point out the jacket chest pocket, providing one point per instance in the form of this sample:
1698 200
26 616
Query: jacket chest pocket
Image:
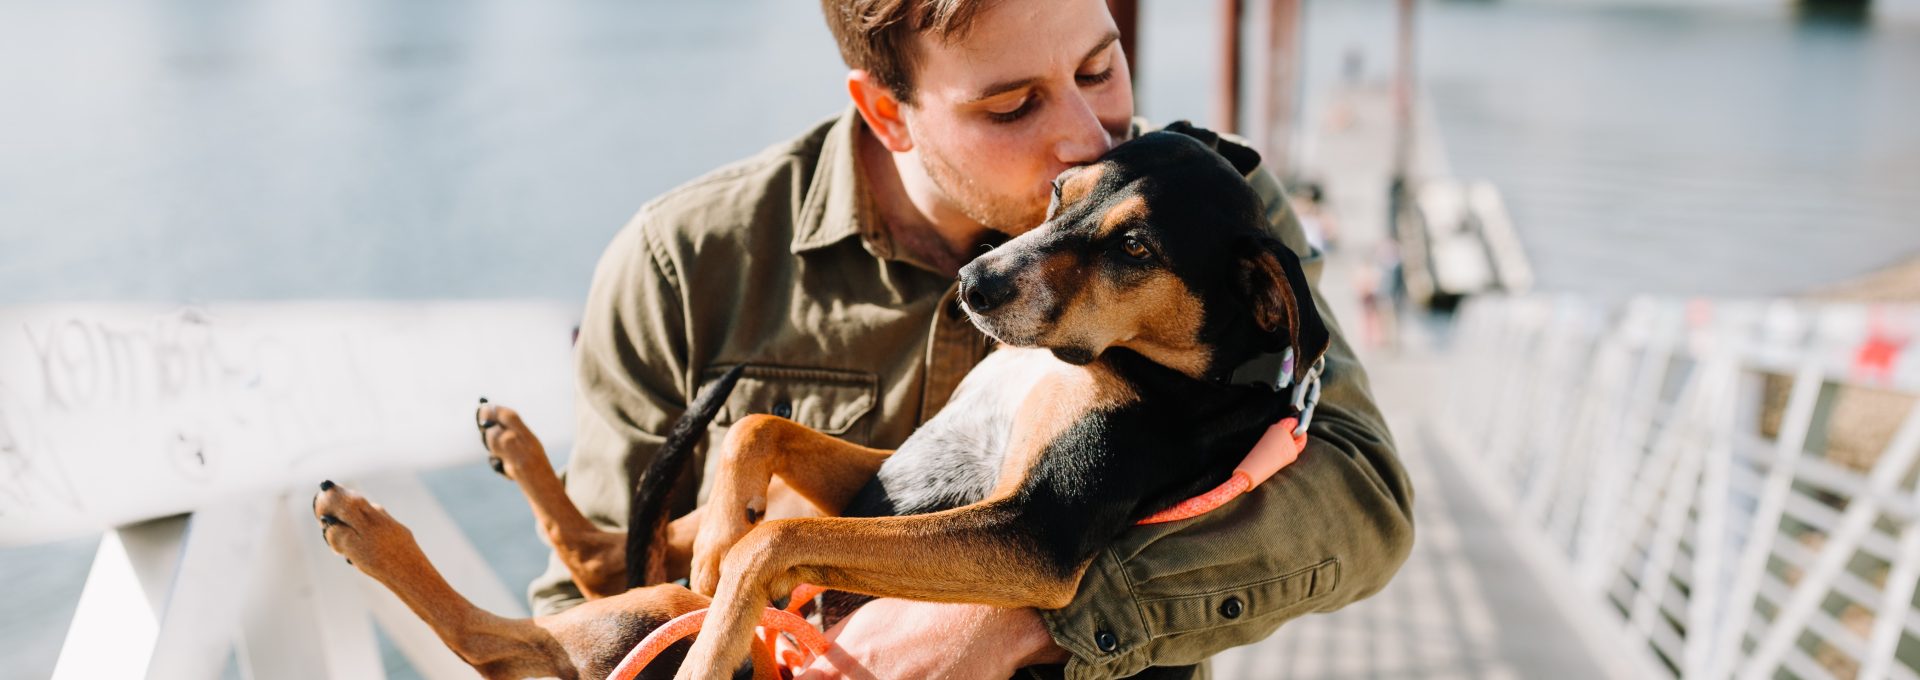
831 401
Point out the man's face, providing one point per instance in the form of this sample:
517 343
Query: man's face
1035 87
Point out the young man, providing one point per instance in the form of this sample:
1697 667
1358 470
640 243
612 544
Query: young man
827 264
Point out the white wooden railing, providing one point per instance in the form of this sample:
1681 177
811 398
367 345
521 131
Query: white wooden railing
1681 469
191 440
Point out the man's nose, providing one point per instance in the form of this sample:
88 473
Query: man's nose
1082 139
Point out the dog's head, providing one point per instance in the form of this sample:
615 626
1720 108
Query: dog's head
1159 247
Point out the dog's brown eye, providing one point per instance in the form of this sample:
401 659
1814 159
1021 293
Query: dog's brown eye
1135 249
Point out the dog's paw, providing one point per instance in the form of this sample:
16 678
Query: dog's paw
360 530
719 532
703 570
511 447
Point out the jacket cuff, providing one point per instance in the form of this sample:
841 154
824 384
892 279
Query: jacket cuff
1102 628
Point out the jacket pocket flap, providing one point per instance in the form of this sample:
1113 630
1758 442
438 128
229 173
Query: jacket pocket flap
1284 593
830 401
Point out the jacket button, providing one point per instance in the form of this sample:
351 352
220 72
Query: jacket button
783 409
1106 641
1231 608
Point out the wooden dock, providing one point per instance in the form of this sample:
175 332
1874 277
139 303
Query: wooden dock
1469 603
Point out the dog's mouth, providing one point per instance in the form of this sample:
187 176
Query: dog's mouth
1022 294
1016 327
993 327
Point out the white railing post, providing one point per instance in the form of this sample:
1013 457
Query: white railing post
1889 619
1668 513
1854 524
1788 445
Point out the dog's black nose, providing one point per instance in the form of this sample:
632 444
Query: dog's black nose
985 292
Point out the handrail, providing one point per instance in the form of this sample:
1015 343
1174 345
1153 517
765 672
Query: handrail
190 440
1679 464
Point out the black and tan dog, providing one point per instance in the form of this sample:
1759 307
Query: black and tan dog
1152 330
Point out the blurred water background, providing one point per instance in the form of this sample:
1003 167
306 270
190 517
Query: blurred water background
208 150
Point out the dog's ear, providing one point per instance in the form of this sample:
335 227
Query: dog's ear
1243 158
1282 305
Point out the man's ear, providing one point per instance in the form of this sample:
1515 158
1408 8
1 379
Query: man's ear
1282 305
882 111
1244 159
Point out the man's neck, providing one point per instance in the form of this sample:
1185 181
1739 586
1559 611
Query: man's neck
944 243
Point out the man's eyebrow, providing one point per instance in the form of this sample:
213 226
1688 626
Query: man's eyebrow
1006 86
1104 42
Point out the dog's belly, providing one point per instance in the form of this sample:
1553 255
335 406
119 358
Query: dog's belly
954 459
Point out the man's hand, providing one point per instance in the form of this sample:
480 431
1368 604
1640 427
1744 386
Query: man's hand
887 639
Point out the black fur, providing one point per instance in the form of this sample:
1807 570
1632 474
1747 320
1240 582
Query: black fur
647 515
1185 433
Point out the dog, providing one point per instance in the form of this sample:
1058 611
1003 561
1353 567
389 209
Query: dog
1150 332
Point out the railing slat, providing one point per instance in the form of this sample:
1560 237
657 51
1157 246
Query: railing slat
1647 468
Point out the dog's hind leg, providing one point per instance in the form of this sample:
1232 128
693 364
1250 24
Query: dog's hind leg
595 557
986 553
820 469
586 641
384 549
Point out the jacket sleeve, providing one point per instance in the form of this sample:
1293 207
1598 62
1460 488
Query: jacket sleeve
630 370
1328 530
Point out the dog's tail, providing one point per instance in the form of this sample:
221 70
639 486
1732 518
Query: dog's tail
647 517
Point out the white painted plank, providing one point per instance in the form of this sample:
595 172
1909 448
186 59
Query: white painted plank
112 414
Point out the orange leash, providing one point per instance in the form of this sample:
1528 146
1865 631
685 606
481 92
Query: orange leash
772 621
1278 448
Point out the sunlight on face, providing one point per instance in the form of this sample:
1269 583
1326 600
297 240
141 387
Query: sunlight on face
1034 88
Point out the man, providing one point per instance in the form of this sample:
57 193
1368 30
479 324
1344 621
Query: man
827 264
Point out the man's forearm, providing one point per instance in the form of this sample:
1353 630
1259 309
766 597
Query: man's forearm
1327 530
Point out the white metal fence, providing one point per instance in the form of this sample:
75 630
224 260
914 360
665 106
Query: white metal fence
191 439
1728 487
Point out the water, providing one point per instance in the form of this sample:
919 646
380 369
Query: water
250 149
1687 152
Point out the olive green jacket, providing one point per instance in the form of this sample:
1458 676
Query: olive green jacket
779 262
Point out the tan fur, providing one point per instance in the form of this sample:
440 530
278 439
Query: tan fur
964 554
1060 399
824 470
1159 318
595 558
1273 301
496 647
1079 182
1130 209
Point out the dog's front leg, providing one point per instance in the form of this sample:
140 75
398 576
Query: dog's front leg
821 469
984 553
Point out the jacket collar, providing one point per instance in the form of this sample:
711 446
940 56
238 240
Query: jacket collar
837 205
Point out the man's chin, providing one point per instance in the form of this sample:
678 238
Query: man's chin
1013 226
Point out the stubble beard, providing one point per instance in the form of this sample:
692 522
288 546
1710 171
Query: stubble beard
1010 216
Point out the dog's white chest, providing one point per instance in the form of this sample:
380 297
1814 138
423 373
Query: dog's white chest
954 459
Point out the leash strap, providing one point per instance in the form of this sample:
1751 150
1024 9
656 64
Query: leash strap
772 621
1278 448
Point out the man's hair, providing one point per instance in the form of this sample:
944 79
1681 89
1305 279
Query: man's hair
877 35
